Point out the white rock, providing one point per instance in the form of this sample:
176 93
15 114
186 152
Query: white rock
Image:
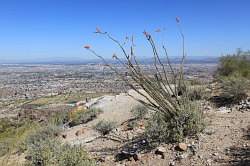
161 150
224 110
172 163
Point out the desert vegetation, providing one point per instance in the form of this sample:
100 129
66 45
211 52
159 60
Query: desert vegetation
160 116
104 127
83 116
233 77
172 103
40 141
41 150
165 93
237 64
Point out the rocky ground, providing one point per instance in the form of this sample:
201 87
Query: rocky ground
225 141
45 89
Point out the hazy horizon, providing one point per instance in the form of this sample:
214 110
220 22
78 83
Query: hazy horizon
146 60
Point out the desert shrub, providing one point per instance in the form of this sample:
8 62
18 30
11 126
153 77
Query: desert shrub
44 148
73 156
195 82
105 127
188 122
164 90
59 118
43 133
234 89
51 152
197 93
233 76
235 64
139 112
4 148
13 134
49 131
132 124
5 124
42 153
82 117
76 111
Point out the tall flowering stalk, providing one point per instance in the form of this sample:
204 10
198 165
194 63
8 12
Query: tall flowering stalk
161 94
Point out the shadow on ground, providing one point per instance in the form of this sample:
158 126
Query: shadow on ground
240 155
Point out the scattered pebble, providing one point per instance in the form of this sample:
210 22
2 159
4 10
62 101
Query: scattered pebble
172 163
224 110
160 151
182 146
182 156
215 154
209 162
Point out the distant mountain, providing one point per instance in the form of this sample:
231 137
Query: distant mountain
187 60
98 61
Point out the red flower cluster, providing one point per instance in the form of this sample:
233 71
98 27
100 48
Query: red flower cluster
177 19
97 30
87 46
146 34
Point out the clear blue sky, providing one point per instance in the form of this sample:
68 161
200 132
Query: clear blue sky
33 30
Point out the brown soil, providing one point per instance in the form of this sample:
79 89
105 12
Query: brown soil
225 141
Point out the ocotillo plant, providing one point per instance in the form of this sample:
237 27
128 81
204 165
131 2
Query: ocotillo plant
166 94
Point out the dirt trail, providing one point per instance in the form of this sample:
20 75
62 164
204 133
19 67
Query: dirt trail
115 108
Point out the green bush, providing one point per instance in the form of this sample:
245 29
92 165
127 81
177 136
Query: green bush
73 156
234 89
59 118
188 122
235 64
233 76
41 134
139 111
132 124
40 144
195 82
85 116
197 93
5 147
13 134
44 149
104 127
6 124
50 152
42 152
